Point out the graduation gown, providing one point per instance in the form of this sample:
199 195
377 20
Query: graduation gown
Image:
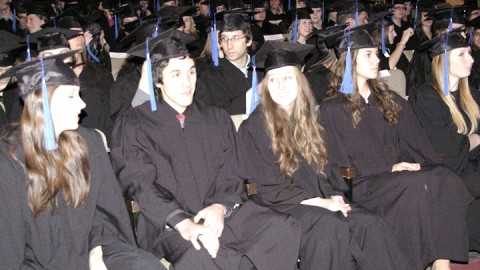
123 89
318 79
329 240
225 87
425 210
174 172
435 118
63 240
13 105
94 86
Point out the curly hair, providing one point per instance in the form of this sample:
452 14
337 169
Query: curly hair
298 132
379 90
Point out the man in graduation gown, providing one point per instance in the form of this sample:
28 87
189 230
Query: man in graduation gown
225 86
177 158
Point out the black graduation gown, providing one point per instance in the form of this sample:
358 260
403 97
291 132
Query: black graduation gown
402 63
329 241
318 79
425 209
474 78
174 172
13 105
275 29
435 118
64 239
123 89
258 39
399 30
94 85
225 87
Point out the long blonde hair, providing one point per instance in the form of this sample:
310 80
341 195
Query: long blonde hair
48 172
468 104
379 90
300 132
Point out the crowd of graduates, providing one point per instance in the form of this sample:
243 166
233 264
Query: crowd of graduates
309 81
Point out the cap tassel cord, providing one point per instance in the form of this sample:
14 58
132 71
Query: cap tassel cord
89 51
255 97
153 104
50 143
347 83
214 38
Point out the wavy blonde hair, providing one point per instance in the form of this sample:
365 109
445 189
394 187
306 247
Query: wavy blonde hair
379 90
298 132
48 172
468 104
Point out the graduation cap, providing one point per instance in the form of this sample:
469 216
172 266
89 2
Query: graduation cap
167 45
52 38
69 22
43 9
232 20
317 4
353 39
150 28
276 54
441 45
451 15
10 43
257 4
475 23
39 74
331 36
352 8
74 15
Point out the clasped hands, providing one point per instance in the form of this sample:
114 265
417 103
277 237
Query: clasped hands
209 232
334 203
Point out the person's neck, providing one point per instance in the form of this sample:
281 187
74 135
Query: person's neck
427 30
318 25
275 11
453 83
301 39
240 62
260 23
396 21
363 87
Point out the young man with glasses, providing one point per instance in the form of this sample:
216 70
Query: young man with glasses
399 25
225 86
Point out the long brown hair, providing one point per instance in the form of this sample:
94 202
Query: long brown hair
468 104
298 132
379 90
48 172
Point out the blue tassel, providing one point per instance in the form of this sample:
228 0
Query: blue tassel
155 33
92 55
255 97
153 104
208 14
347 83
384 50
115 22
54 22
470 36
295 29
323 11
158 6
50 143
416 17
29 55
450 26
445 74
356 13
289 5
14 21
214 38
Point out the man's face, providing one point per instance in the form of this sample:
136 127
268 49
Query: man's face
234 45
22 19
4 5
399 11
179 79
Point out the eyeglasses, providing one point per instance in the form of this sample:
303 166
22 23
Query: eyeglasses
235 39
400 8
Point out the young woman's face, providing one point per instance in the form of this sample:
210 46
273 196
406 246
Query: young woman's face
34 23
304 27
367 63
476 38
274 4
460 62
425 20
316 16
391 34
282 86
66 106
4 81
261 15
187 24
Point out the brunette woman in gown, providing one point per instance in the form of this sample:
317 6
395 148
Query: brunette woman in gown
375 131
284 154
451 119
60 203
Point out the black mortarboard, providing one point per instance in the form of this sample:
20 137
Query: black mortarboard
276 54
29 74
180 11
10 43
150 28
43 9
258 4
52 38
232 21
441 45
475 23
39 74
331 36
315 4
163 51
445 14
68 22
299 13
399 2
72 12
127 11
